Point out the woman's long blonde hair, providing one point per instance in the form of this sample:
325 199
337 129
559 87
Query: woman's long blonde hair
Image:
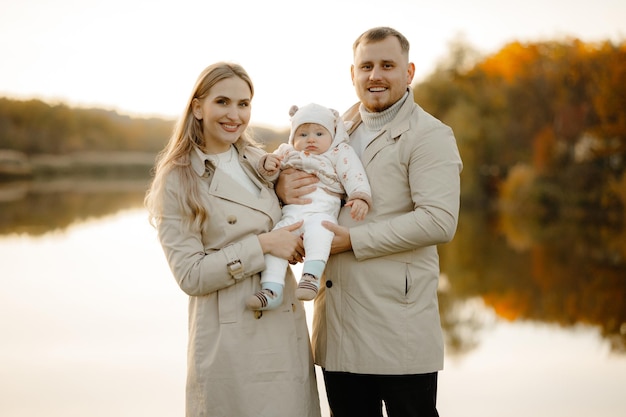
186 135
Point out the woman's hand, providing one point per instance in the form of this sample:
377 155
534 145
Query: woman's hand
284 243
292 184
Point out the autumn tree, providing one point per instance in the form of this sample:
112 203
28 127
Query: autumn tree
559 106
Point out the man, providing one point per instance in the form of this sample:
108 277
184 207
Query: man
376 328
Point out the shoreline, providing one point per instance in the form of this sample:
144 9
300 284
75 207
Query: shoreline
16 166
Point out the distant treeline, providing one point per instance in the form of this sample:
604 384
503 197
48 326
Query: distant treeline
35 127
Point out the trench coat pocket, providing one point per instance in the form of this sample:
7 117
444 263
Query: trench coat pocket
229 304
274 359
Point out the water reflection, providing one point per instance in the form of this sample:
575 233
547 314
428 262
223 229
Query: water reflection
38 207
95 325
523 268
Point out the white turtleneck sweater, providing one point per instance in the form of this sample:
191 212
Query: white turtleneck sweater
372 124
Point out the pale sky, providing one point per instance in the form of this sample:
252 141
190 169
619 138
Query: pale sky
142 57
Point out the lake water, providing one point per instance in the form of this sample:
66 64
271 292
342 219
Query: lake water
93 324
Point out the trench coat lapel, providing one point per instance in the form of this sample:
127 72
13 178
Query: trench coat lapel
226 187
353 117
223 185
388 135
381 141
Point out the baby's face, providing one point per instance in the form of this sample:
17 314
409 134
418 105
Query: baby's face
312 138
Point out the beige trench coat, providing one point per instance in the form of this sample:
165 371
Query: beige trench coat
238 365
379 312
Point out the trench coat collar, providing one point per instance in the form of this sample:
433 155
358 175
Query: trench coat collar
389 133
197 161
198 158
223 185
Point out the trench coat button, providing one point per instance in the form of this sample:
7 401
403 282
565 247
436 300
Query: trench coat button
329 283
258 314
293 308
232 219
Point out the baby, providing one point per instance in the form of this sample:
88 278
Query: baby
318 145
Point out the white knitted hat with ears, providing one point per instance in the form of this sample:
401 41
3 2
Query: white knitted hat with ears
313 113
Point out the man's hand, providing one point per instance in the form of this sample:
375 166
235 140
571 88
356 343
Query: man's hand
341 242
292 184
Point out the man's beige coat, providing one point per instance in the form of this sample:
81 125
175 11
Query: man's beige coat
378 312
238 365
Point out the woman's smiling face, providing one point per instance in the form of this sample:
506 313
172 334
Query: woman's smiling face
225 113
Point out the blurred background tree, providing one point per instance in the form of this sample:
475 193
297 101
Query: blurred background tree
556 107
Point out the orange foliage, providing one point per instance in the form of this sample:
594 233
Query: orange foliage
510 305
544 144
508 61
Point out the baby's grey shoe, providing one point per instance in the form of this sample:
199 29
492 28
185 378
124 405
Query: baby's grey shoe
265 299
308 287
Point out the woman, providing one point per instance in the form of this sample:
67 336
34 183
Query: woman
214 215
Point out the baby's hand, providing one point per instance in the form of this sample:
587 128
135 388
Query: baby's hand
359 209
272 162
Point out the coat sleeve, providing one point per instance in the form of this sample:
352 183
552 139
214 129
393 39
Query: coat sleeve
433 167
351 174
198 272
